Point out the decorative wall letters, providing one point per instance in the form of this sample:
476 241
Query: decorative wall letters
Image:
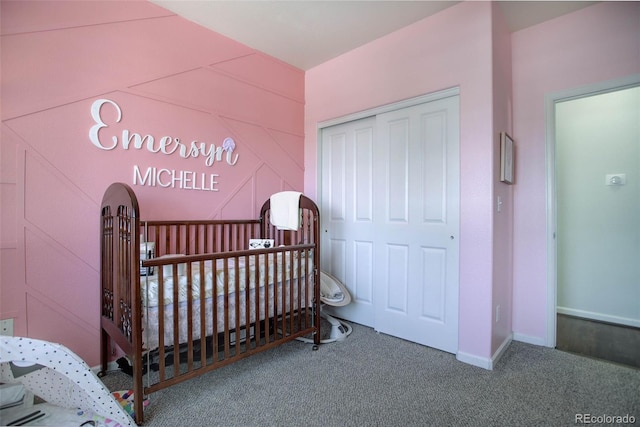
167 145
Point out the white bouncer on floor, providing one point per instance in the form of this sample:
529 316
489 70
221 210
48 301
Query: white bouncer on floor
333 293
73 394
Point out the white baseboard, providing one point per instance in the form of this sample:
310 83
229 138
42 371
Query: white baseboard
528 339
484 362
472 359
599 316
500 351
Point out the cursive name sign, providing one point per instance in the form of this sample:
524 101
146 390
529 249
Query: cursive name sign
165 145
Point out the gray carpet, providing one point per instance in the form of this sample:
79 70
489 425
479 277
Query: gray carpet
376 380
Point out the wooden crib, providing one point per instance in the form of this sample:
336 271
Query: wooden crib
203 299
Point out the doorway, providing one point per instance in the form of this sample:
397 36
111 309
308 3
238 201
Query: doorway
597 201
390 218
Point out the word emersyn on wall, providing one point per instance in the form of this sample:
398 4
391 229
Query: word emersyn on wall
167 178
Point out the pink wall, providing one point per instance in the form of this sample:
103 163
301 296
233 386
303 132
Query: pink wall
502 220
595 44
452 48
171 78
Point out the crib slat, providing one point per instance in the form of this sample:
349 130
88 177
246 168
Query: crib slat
203 324
161 345
267 308
258 286
227 332
292 274
247 304
214 316
176 330
189 312
236 292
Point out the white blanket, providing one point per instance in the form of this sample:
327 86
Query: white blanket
285 210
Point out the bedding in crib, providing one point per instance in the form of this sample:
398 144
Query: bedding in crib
267 272
263 264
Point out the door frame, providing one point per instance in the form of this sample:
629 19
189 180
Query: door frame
551 100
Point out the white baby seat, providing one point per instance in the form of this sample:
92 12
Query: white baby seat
333 293
72 392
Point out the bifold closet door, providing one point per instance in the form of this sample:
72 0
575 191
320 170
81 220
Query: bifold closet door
347 213
417 210
390 197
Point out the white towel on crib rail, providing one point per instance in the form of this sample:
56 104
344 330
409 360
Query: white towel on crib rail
285 210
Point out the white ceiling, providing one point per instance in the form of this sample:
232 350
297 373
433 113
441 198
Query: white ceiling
306 33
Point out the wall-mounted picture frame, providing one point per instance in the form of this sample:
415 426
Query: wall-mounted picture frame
506 158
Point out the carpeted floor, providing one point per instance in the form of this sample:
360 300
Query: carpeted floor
372 379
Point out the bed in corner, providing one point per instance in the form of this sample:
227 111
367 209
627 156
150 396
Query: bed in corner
182 298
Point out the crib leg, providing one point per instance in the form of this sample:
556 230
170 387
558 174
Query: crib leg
316 321
103 353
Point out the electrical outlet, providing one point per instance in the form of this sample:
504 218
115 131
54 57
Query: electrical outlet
497 313
615 179
6 327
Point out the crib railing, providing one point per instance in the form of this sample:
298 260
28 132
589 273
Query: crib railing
199 237
242 321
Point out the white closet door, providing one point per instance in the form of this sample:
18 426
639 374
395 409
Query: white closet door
417 224
390 218
347 213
